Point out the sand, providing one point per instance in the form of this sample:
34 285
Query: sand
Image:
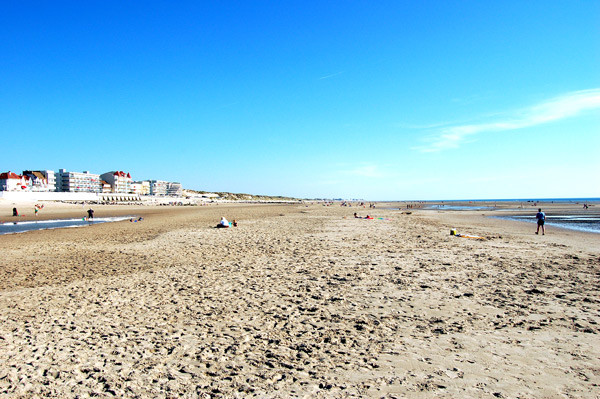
298 301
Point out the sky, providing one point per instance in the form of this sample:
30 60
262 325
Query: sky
387 100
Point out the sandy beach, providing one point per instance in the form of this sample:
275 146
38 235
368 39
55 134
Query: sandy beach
298 301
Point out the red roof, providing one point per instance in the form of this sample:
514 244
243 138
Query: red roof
9 175
121 174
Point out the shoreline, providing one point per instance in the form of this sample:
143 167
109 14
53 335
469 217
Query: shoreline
59 210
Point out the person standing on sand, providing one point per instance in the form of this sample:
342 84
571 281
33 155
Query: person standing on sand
541 220
90 214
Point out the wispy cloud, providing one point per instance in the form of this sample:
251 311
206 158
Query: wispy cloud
348 172
331 76
555 109
365 171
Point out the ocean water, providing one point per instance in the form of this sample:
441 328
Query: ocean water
588 223
546 200
459 207
21 227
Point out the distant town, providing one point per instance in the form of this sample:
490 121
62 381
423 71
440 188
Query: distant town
112 186
114 182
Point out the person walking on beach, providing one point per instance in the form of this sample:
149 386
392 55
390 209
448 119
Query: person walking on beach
90 214
541 220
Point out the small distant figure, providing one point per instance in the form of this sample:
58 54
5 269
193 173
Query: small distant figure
541 220
90 213
15 212
234 223
356 215
223 223
37 208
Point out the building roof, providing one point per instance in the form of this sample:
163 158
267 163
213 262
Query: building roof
10 175
121 174
36 173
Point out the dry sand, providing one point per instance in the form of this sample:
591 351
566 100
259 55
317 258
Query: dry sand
298 301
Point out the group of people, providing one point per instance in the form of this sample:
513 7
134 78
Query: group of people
349 204
540 217
36 209
224 223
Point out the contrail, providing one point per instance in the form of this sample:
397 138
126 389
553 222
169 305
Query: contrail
330 76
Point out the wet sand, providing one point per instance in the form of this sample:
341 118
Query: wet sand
298 301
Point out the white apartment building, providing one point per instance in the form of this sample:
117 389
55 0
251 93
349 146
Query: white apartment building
120 182
158 187
141 187
41 180
174 189
78 182
106 187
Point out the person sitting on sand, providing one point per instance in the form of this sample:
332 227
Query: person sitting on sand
234 223
356 215
541 220
223 223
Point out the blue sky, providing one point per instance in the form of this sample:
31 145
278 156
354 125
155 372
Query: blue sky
374 100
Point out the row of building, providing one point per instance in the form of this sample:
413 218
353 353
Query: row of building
117 182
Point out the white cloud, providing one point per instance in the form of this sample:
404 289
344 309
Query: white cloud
565 106
331 75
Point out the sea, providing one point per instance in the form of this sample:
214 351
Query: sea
587 223
21 227
588 220
477 202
